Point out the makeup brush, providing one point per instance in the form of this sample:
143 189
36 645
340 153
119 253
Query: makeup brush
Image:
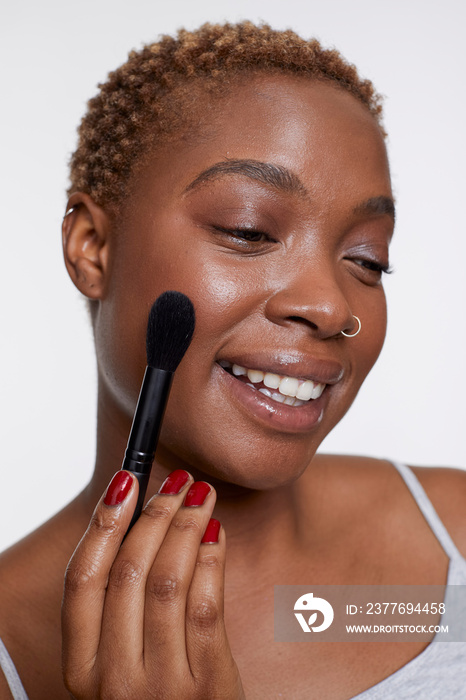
169 331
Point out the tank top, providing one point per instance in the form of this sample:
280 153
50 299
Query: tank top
437 673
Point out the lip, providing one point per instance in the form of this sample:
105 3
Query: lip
287 419
291 364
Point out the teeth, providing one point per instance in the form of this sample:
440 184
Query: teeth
288 386
271 380
255 376
278 397
292 391
318 389
305 390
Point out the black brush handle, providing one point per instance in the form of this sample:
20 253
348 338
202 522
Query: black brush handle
145 430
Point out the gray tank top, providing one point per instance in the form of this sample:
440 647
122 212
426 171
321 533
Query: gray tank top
438 673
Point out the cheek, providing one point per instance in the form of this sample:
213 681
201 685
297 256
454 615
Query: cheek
223 297
223 294
372 335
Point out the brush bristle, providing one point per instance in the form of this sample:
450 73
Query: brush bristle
169 330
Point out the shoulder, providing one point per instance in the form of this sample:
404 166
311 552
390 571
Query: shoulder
446 489
5 693
378 485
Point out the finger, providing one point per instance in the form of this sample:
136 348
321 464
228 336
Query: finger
87 574
207 644
170 578
123 618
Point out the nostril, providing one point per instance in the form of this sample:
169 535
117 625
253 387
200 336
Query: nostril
301 319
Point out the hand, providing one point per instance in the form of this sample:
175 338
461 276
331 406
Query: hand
143 618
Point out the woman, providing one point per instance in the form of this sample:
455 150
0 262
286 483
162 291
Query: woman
247 169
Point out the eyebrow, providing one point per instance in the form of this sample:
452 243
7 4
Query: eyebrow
268 174
283 179
377 205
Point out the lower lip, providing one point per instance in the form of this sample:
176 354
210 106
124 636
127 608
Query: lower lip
291 419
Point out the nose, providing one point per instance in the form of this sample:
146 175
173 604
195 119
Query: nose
313 299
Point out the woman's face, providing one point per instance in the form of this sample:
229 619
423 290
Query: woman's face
275 220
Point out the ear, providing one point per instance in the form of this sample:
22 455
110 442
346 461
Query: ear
85 233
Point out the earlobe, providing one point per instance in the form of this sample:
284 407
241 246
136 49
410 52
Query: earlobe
85 244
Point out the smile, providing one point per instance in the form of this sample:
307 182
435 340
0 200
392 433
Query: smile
280 388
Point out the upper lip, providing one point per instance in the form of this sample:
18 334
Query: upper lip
290 364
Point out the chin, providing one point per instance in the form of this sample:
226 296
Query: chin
250 463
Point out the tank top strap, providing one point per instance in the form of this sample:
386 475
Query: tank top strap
428 511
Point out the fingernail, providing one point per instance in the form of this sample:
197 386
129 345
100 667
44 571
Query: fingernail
197 494
211 531
118 488
174 481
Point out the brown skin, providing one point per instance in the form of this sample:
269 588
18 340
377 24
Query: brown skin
319 519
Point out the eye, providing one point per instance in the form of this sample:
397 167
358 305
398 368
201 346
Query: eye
375 266
247 238
369 271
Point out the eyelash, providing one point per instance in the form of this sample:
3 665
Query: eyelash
373 266
242 235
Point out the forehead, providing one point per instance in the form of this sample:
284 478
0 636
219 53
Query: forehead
317 131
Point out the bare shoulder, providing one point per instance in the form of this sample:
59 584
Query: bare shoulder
377 480
5 693
446 489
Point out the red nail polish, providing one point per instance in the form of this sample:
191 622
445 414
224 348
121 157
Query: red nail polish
211 532
118 489
174 481
197 494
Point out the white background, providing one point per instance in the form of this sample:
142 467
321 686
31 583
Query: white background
52 56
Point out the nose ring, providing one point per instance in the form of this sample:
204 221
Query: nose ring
351 335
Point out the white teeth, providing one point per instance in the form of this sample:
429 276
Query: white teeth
255 376
305 390
271 380
288 386
318 389
291 391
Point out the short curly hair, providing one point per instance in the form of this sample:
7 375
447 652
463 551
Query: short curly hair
150 98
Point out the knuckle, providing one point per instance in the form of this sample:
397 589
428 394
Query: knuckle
155 510
204 613
165 588
125 573
186 524
209 562
76 678
79 576
103 525
72 680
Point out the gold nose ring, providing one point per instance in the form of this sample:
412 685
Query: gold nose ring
351 335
